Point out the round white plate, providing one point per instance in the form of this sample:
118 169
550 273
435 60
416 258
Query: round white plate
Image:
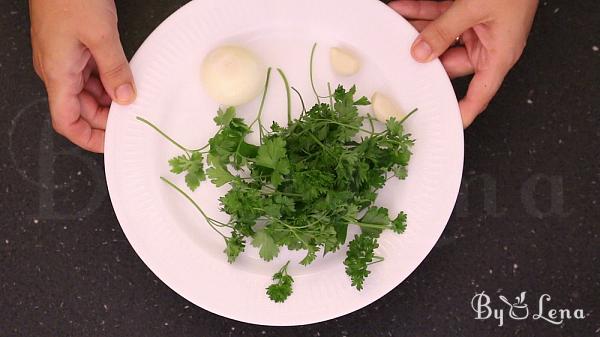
176 243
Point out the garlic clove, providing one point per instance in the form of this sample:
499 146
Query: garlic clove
344 62
384 108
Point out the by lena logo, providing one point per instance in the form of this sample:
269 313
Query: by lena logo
519 310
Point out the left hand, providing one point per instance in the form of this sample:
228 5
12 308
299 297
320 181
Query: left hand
493 34
78 54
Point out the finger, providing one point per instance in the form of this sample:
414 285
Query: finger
64 77
94 113
105 100
441 33
37 66
90 69
483 87
67 121
95 88
113 67
456 62
470 37
86 137
419 24
421 10
101 94
92 64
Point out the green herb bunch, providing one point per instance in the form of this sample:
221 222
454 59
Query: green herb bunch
304 184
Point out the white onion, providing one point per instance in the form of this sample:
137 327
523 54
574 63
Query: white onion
344 62
232 75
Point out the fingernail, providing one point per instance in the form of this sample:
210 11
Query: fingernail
421 50
125 93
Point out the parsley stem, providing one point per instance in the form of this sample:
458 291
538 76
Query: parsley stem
301 101
288 93
282 193
370 225
346 125
206 217
262 105
312 82
330 95
331 121
315 222
371 123
297 236
377 260
147 122
321 144
408 115
290 194
395 142
202 148
291 229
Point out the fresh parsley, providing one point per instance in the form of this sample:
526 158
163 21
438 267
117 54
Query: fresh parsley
281 288
304 184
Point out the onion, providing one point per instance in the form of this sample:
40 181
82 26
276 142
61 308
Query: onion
232 75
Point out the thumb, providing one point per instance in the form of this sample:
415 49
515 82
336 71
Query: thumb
113 68
435 39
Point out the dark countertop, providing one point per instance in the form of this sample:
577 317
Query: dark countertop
527 219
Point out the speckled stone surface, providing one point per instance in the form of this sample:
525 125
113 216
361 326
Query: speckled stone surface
527 219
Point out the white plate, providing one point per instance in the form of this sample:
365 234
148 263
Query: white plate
175 242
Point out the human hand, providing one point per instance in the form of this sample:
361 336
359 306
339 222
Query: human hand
494 33
78 55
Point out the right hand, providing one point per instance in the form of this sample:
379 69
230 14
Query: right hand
78 55
494 33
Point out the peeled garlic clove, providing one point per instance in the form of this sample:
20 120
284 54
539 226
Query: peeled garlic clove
384 108
344 62
232 75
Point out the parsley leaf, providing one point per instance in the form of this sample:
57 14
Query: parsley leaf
311 255
362 101
179 164
229 145
375 220
399 224
360 255
264 241
224 117
281 288
219 175
234 246
272 155
394 127
192 165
